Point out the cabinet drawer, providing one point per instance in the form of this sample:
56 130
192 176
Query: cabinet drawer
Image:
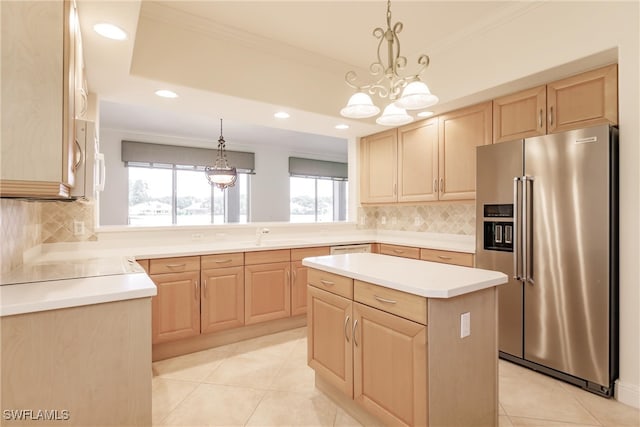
330 282
264 257
403 251
222 260
174 265
299 253
447 257
409 306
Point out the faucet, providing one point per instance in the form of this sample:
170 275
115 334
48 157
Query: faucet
260 231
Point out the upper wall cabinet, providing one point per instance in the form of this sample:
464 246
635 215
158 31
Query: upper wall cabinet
520 115
586 99
460 132
39 153
379 167
400 165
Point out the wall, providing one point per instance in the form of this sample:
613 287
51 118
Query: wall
269 188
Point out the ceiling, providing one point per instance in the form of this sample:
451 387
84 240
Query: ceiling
245 60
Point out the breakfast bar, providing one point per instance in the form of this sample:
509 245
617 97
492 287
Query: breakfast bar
398 341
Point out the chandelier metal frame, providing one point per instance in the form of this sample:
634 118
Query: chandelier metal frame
389 83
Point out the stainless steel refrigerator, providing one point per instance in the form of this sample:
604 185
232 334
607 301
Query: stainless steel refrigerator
546 213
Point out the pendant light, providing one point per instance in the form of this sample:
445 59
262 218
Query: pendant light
221 174
406 92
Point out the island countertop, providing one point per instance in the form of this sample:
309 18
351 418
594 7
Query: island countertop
424 278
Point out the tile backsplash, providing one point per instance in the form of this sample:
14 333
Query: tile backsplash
26 224
451 218
19 231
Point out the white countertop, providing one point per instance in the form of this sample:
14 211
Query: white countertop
56 294
424 278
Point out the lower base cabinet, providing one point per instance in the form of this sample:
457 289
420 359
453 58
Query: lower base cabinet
267 292
222 300
176 307
374 357
417 372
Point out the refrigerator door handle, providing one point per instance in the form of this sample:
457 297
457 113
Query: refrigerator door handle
517 226
526 228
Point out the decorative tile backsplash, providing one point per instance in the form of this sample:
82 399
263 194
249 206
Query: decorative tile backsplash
26 224
19 231
58 221
451 218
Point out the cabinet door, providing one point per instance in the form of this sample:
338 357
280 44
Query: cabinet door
329 349
298 288
390 366
222 303
176 308
378 173
38 134
520 115
418 161
267 292
461 132
584 100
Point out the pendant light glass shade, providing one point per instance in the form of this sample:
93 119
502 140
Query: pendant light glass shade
394 116
415 96
221 174
360 106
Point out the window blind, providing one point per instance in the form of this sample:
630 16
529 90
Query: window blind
317 168
144 152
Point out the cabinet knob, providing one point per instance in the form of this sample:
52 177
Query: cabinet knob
346 322
195 282
551 116
442 185
353 334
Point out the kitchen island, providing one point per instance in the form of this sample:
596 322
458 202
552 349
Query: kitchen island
403 342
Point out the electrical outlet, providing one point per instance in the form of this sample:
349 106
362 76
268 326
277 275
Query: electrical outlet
465 324
78 228
417 221
394 220
383 220
197 236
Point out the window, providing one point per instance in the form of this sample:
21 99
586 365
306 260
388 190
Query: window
317 200
161 194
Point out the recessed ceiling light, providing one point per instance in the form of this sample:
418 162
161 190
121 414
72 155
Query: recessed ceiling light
281 115
342 126
166 93
425 114
110 31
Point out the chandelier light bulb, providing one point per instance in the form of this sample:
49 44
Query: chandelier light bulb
360 106
416 96
394 116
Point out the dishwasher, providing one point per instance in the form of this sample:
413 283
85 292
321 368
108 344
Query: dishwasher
351 249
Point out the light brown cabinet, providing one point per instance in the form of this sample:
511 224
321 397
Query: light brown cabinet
329 334
578 101
400 356
379 167
587 99
398 250
344 343
392 385
460 132
39 153
447 257
222 299
299 277
418 161
175 310
267 285
400 165
520 115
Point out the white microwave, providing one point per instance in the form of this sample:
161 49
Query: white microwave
90 172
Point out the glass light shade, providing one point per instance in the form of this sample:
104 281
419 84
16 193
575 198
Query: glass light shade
221 177
394 116
415 96
360 106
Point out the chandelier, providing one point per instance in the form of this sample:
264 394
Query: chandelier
405 93
221 174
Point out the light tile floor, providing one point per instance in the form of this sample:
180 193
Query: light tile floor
265 381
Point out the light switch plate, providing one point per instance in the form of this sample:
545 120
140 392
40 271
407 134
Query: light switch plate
465 324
